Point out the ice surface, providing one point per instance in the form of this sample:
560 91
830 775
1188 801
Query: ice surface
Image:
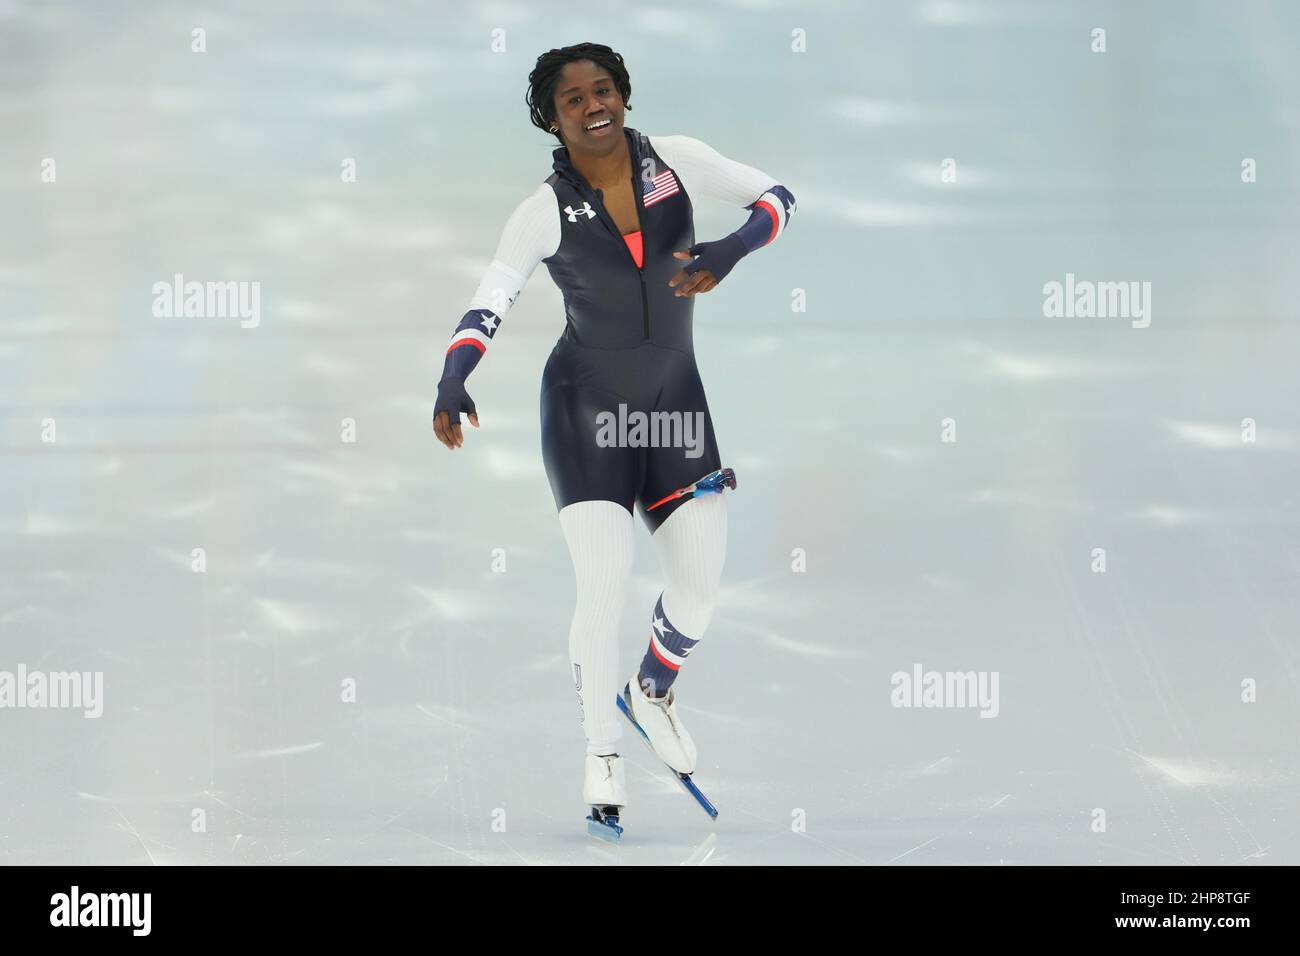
372 562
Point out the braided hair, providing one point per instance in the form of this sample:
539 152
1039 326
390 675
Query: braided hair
546 75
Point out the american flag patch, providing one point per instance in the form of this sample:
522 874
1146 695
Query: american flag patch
661 187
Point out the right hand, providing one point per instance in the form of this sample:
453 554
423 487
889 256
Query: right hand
452 400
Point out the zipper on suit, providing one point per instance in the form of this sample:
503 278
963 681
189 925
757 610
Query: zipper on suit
645 301
645 246
599 196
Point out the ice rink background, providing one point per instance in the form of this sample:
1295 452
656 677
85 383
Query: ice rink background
372 561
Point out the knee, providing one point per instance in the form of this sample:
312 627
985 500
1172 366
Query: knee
604 580
689 602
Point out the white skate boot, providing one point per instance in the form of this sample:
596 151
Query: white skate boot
605 792
658 718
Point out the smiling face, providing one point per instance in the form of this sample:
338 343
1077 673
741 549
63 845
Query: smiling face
588 108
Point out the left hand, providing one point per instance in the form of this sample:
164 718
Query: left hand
715 260
701 281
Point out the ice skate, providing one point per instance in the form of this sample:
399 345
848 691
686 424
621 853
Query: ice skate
605 792
658 720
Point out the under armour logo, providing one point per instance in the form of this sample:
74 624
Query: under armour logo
575 213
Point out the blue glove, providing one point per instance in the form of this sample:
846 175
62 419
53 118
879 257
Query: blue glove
453 399
718 257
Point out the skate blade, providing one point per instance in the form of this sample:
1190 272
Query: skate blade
606 829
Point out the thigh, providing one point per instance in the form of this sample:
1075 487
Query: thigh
691 455
600 539
578 467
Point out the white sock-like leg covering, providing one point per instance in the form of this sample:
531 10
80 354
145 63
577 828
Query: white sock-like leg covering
599 535
692 545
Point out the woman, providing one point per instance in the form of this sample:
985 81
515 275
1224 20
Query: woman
614 225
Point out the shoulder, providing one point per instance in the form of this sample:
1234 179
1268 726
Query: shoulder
532 231
541 200
534 211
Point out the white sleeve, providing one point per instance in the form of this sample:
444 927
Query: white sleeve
704 171
530 235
